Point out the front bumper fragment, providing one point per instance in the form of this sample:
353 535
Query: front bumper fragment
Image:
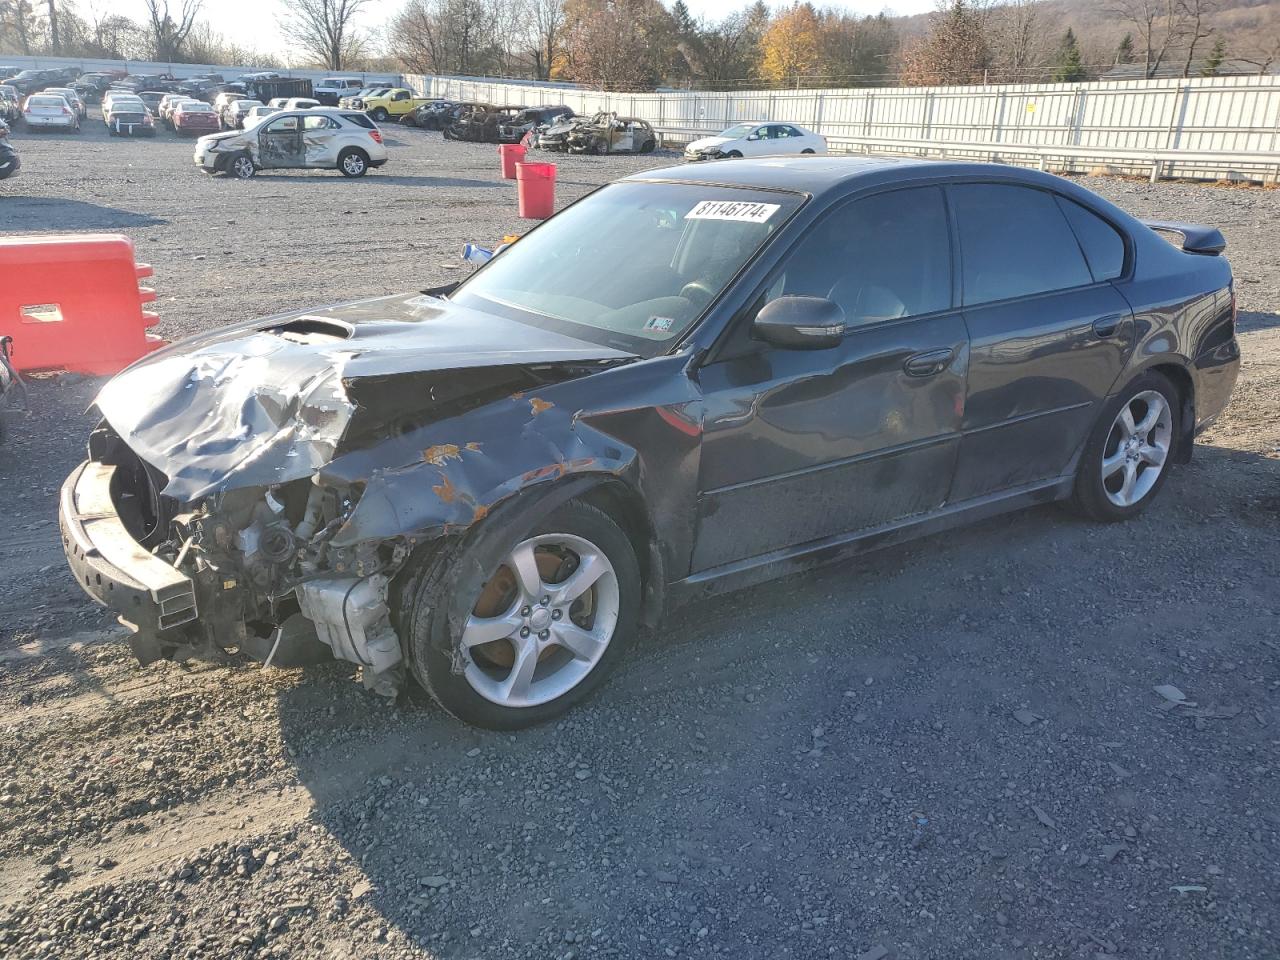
149 596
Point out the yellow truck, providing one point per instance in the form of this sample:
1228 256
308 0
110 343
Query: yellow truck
382 105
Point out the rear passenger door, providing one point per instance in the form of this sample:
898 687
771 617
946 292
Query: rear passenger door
319 134
1049 334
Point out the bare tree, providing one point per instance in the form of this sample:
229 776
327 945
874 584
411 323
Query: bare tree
169 28
19 14
55 41
324 29
1262 54
1017 39
1197 14
546 23
1159 24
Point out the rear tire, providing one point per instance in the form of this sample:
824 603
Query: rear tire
353 162
492 691
1129 453
380 115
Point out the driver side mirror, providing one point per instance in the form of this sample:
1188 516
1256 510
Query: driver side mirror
800 323
753 136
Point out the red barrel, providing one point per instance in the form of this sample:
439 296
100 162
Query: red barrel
536 190
511 153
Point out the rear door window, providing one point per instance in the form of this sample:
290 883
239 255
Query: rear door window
1014 242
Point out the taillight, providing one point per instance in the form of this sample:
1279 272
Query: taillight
377 137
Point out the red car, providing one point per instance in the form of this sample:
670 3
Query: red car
194 119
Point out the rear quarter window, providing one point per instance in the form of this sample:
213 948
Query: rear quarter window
360 120
1102 244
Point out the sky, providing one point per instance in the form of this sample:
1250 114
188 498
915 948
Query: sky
252 23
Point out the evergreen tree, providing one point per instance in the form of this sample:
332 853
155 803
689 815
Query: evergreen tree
1124 52
1069 67
1215 58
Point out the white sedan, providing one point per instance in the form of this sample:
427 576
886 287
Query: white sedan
49 111
756 140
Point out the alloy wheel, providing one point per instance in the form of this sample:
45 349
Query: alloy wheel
542 622
242 167
353 164
1137 448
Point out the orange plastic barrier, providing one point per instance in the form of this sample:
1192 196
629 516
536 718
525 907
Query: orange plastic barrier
536 190
72 302
511 154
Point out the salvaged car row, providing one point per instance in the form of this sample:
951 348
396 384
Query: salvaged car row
209 106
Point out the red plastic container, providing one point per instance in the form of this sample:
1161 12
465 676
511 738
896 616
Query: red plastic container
72 302
536 190
511 153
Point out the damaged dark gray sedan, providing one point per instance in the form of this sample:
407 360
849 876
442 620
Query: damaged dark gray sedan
691 380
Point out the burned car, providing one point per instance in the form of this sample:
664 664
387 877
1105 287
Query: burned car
431 115
691 380
609 133
528 119
479 123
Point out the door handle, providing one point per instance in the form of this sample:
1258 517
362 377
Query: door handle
929 363
1107 326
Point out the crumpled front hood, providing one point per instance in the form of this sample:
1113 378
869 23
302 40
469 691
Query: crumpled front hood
219 137
270 401
706 143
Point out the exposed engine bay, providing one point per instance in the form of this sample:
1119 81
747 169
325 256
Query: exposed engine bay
266 577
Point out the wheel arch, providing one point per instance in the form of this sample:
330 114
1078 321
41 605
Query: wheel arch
1177 371
478 549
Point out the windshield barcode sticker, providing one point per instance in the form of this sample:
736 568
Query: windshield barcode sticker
732 210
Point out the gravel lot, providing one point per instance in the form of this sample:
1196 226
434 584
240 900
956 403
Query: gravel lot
951 749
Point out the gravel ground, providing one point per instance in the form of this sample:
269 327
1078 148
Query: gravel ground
947 750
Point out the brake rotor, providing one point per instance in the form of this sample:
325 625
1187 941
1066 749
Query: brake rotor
496 598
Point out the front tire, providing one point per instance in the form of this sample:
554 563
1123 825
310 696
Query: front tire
546 627
1129 453
733 155
353 162
241 166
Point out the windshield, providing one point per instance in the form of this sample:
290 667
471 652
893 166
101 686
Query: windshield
634 265
738 131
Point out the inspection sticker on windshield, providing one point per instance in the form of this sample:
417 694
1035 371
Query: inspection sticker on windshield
732 210
660 324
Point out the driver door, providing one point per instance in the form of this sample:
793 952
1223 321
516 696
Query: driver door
280 143
756 144
804 445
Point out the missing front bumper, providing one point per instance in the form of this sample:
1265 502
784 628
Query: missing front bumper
150 597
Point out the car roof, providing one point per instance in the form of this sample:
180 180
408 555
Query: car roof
818 175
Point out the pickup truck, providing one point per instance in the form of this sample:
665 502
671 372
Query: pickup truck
396 102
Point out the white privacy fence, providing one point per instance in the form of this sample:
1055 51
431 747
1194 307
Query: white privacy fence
1209 127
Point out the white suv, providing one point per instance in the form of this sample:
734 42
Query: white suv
324 137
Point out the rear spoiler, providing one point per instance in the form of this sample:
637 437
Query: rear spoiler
1196 238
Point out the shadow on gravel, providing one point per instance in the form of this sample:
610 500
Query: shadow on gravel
916 745
27 214
391 181
1248 320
